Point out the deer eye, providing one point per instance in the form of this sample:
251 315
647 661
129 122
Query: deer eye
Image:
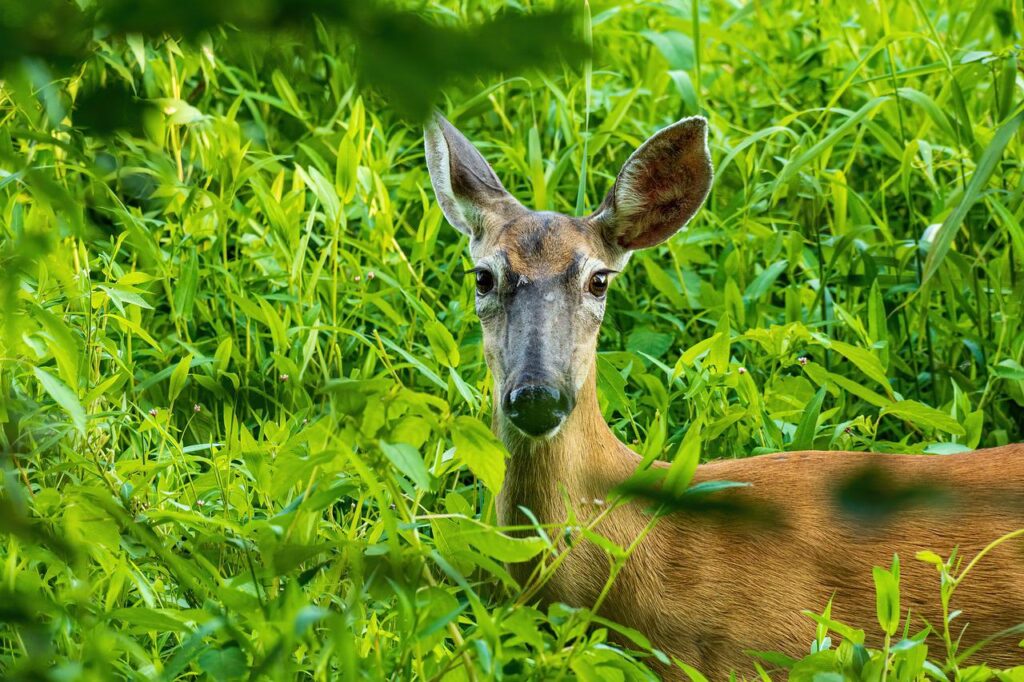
598 285
484 282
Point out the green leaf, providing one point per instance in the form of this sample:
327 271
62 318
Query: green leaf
63 345
612 386
757 289
285 92
691 354
63 396
684 463
613 550
1009 369
408 460
854 635
865 361
646 340
121 294
442 343
499 546
924 416
887 598
223 664
178 378
138 48
803 439
663 283
179 112
722 346
818 374
676 47
324 191
142 619
187 285
275 324
480 450
691 672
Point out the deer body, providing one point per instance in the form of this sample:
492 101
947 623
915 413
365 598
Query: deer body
703 588
706 590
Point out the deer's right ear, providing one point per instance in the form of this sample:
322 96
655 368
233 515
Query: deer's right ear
466 187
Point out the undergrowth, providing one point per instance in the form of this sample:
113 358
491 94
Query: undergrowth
244 402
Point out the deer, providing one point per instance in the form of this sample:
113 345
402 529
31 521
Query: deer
704 589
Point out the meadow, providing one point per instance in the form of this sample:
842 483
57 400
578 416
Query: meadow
243 403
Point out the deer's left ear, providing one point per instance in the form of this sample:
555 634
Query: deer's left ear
660 187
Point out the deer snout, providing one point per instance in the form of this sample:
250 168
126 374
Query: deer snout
536 409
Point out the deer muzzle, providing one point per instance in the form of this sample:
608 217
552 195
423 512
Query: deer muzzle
536 409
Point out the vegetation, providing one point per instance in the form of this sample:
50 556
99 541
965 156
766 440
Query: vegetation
244 403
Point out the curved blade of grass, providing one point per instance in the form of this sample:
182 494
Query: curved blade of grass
805 430
794 166
989 160
588 78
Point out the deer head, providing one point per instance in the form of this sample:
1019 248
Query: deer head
542 277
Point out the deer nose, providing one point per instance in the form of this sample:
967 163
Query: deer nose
536 409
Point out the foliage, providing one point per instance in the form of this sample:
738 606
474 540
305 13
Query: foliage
401 53
244 394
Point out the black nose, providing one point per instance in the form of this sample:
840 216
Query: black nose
536 409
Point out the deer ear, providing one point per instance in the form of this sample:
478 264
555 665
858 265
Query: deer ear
466 187
661 186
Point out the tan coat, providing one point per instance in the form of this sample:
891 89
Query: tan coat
705 588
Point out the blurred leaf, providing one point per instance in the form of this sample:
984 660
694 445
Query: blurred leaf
53 29
871 495
111 108
150 620
410 60
223 664
179 112
64 397
676 47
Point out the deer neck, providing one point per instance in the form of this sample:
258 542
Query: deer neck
580 463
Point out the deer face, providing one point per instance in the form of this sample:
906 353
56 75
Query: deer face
541 277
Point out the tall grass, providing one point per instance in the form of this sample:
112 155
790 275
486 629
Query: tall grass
243 390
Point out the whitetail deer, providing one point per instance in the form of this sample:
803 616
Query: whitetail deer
703 589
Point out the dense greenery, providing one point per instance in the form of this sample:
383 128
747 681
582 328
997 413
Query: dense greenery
244 403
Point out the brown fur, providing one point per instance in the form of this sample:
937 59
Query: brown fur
706 589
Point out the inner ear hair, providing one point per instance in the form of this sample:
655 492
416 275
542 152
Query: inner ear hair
467 188
660 187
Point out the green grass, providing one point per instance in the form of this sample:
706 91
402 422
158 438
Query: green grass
242 379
